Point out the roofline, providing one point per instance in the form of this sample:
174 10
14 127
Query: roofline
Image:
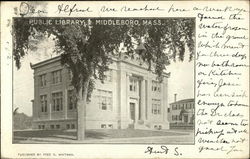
179 101
167 75
44 62
57 58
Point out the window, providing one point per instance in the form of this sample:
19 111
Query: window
156 106
160 127
71 100
174 117
190 106
174 107
43 80
156 86
41 127
70 75
43 101
192 119
108 76
133 84
157 127
104 99
182 106
52 126
72 126
110 126
180 117
103 126
57 126
57 101
57 76
67 126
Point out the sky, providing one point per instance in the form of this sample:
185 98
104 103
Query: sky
181 80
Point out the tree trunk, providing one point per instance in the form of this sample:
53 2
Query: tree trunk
81 109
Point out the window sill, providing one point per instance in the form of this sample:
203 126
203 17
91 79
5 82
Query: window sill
61 111
72 110
55 84
106 110
44 113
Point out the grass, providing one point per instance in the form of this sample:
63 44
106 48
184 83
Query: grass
93 134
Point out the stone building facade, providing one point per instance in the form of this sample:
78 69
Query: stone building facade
130 97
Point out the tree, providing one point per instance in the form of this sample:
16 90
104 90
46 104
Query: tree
88 49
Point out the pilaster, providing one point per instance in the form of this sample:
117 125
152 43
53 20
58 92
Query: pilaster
142 99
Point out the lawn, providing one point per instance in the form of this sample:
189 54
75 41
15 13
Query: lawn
92 134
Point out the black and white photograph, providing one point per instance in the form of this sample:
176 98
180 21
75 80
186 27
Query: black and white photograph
124 79
103 80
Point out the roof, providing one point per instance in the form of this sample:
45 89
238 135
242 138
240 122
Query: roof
45 62
183 101
57 58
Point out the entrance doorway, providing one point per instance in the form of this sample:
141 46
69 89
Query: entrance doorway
132 111
185 118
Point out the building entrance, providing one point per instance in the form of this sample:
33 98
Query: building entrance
132 111
185 118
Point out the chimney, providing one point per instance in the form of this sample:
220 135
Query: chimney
175 97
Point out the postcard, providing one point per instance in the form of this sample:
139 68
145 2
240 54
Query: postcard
123 79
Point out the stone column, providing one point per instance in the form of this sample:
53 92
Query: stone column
149 98
49 96
36 97
66 103
142 99
64 90
165 103
125 91
50 110
123 108
146 99
165 100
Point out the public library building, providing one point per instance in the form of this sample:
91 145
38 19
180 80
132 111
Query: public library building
130 97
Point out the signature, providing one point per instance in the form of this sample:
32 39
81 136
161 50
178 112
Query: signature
163 150
151 150
233 149
26 8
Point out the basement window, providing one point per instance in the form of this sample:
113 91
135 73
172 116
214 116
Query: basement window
52 126
103 126
160 127
57 126
67 126
110 126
